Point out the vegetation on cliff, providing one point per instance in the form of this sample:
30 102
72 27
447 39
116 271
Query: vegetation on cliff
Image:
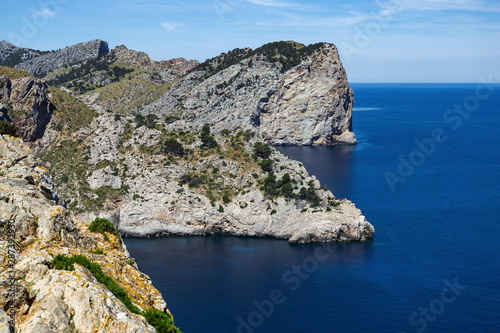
7 128
287 53
162 322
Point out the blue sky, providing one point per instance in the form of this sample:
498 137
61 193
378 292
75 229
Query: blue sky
379 40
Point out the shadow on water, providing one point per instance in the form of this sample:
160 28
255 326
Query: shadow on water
220 277
333 163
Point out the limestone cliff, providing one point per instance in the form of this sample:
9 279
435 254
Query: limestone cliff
187 163
27 94
34 229
11 55
292 94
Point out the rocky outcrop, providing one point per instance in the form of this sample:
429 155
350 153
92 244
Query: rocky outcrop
158 203
31 108
49 300
308 104
49 62
11 55
179 66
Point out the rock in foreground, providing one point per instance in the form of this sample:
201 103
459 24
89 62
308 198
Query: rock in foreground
34 229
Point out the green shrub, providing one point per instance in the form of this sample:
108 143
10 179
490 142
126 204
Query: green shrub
162 322
7 128
191 180
102 226
266 165
225 132
173 147
151 121
226 199
98 251
139 120
309 195
249 135
262 150
171 119
207 140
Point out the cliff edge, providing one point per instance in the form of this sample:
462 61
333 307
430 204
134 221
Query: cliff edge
34 231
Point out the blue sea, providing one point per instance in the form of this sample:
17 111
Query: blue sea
425 173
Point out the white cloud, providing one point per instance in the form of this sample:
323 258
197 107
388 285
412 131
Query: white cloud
269 3
170 26
45 12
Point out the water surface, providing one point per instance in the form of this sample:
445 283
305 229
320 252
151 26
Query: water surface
432 266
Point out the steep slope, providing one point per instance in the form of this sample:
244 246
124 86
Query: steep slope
292 94
36 235
40 112
51 61
11 55
163 170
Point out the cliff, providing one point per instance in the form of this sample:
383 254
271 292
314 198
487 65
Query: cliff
170 154
34 230
290 93
30 94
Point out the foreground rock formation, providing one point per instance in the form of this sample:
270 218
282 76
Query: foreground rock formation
33 230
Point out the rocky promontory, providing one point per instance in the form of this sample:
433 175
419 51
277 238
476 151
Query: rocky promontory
181 148
290 93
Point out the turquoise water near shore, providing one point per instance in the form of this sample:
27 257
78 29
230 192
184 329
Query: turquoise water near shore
426 174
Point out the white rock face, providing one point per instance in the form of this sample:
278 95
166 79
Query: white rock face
54 60
104 177
310 104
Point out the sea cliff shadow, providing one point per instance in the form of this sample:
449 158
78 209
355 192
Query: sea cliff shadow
333 163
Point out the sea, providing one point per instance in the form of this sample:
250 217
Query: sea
425 173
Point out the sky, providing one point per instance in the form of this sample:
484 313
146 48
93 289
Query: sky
378 40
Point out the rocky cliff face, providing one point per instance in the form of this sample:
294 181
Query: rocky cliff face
311 104
49 62
33 230
120 159
27 94
305 102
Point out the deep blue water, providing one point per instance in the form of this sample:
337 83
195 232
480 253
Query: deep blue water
437 226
